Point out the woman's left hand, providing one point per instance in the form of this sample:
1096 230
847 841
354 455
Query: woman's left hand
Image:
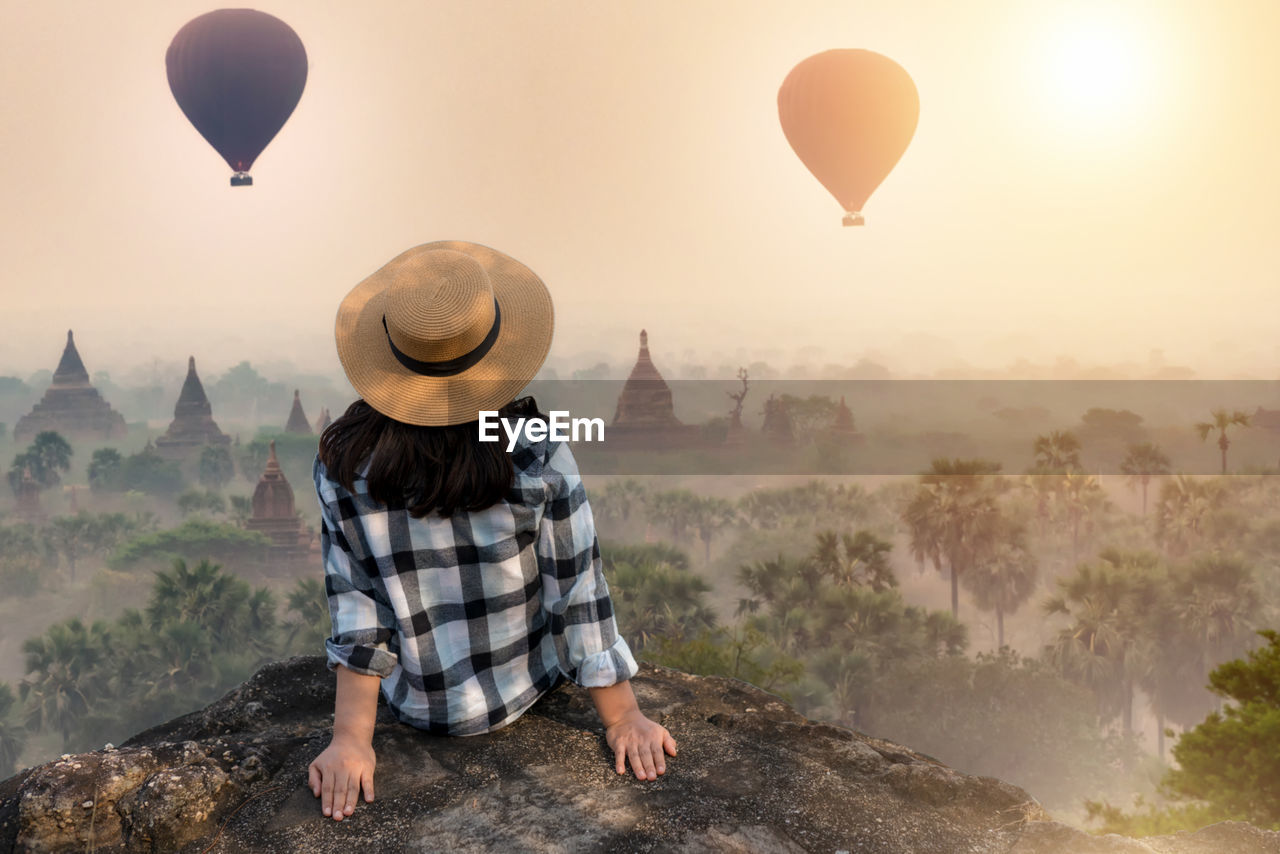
638 740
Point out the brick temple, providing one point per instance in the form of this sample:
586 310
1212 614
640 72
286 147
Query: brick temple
275 516
646 416
297 422
193 426
71 405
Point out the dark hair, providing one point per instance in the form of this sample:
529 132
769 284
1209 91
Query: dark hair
423 469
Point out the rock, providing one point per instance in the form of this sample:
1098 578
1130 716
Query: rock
751 776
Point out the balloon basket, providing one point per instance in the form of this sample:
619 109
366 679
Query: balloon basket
242 179
853 218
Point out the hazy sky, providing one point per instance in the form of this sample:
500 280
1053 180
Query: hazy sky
1091 180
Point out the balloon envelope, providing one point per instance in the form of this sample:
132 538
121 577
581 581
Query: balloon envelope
237 74
849 115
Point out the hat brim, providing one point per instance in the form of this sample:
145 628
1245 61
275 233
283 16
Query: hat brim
524 338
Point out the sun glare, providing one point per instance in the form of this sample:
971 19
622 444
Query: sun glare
1098 71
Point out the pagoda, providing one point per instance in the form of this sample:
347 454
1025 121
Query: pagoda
193 426
27 495
844 419
645 415
71 405
324 420
274 515
297 422
777 426
843 428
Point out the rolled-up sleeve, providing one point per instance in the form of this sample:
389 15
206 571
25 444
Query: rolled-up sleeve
361 616
574 593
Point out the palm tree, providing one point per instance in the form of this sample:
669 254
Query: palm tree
1005 577
1117 639
199 501
216 467
71 537
951 517
764 579
241 509
308 606
1216 598
848 675
814 503
708 515
857 559
671 508
216 600
1082 497
1221 421
104 470
1143 462
1092 649
1165 659
1057 452
656 600
46 456
620 497
13 735
1181 511
63 680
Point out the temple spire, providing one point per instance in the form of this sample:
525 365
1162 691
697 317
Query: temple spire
192 400
70 370
297 422
275 515
645 415
193 426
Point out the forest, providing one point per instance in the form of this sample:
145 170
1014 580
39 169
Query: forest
1091 637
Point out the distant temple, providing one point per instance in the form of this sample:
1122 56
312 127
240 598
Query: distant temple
844 419
843 428
71 405
274 515
27 499
324 420
777 422
645 415
297 422
193 426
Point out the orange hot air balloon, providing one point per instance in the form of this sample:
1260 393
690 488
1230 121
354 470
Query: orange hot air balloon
849 115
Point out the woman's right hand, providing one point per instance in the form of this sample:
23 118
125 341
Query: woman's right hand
338 774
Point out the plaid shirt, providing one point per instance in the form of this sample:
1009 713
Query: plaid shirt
470 619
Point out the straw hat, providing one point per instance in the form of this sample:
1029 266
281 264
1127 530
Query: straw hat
443 331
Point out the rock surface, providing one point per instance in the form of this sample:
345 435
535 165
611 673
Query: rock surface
751 776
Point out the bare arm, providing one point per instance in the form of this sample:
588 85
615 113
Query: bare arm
631 735
356 707
338 773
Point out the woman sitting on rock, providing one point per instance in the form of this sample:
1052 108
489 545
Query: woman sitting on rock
463 578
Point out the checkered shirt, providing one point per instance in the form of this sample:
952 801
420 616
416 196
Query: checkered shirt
470 619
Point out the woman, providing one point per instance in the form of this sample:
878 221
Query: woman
463 579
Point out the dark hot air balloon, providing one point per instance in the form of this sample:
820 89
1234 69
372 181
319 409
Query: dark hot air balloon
849 115
237 74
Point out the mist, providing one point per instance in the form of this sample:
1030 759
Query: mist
1036 267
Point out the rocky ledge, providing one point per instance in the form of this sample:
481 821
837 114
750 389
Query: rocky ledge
752 776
